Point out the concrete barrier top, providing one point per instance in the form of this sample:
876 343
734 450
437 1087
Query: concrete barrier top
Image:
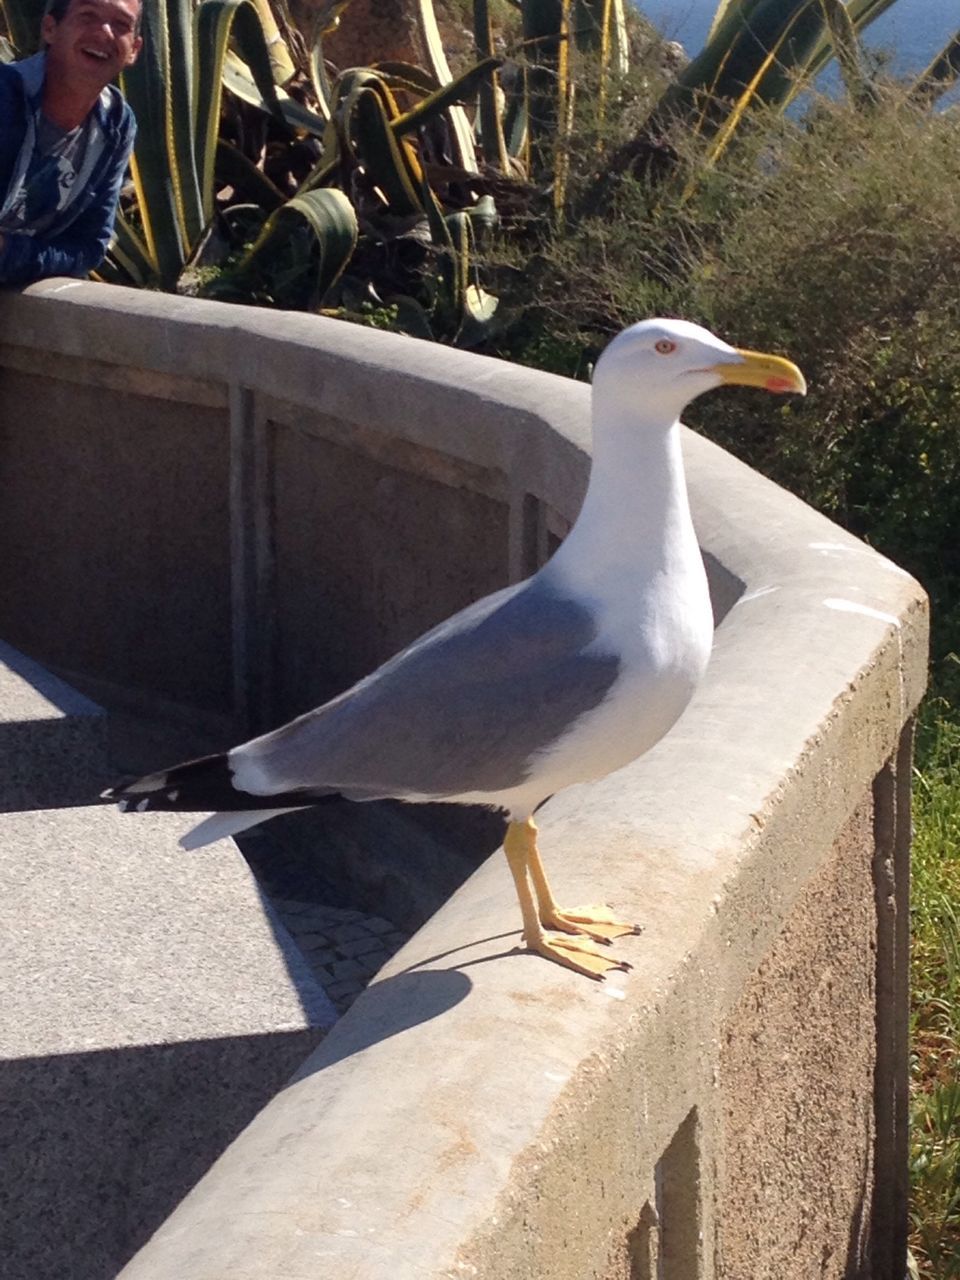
479 1112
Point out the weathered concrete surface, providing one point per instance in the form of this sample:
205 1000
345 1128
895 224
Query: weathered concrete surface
53 740
99 507
367 557
150 1008
481 1113
797 1120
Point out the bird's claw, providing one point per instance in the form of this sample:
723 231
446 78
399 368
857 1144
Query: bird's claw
577 954
596 922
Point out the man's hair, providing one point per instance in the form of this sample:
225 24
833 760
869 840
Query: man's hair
57 10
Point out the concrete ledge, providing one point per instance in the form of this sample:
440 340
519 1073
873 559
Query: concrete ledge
481 1113
151 1007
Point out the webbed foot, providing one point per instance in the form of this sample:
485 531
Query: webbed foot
577 954
596 922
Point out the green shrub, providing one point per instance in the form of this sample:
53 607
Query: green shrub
836 240
849 258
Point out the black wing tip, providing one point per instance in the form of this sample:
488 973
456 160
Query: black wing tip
130 799
193 786
201 786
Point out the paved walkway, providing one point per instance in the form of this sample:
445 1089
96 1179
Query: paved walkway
344 948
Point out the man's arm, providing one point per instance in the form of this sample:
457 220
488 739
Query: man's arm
78 249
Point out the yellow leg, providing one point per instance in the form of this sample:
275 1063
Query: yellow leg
596 922
520 846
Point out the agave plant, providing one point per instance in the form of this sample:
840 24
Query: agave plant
758 53
394 195
538 122
396 244
764 52
175 90
262 174
389 212
939 76
188 219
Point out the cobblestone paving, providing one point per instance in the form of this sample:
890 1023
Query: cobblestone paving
344 948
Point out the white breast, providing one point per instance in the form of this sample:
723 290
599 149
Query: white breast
664 640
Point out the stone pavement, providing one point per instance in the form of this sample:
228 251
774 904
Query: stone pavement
343 944
343 948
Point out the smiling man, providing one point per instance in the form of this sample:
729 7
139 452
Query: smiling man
66 134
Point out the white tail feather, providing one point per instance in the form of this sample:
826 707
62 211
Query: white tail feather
220 825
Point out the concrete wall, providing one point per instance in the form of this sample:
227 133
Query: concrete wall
239 511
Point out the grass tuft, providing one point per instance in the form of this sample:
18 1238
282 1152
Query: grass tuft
935 920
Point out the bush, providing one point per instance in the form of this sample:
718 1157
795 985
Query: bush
836 240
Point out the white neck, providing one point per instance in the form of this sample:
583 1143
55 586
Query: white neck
635 518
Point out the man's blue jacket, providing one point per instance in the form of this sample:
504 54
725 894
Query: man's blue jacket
77 241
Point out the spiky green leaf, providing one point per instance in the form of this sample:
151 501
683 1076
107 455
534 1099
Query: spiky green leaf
159 87
22 20
390 162
440 101
219 21
464 153
302 251
128 260
488 92
939 76
238 78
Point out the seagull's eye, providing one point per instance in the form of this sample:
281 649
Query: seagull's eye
665 347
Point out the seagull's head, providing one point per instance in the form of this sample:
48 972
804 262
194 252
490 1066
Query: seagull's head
667 363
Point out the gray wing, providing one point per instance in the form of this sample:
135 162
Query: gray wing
463 709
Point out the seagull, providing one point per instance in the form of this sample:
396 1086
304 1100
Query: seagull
556 680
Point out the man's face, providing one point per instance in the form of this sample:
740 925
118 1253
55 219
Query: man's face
93 41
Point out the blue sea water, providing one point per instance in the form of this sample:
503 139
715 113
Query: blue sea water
912 32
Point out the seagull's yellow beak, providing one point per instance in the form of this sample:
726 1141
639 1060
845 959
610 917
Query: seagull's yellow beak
754 369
